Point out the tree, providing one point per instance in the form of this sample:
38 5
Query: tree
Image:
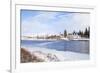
87 33
74 33
80 33
65 33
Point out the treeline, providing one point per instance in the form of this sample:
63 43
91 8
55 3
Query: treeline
85 33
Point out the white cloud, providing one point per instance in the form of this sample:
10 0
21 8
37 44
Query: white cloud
52 22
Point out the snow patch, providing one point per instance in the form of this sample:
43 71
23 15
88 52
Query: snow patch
54 55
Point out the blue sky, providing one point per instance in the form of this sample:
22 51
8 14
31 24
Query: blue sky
50 22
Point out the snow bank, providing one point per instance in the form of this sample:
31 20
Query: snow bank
54 55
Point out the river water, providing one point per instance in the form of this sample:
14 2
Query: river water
59 45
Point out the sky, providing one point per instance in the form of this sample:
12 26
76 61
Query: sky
51 22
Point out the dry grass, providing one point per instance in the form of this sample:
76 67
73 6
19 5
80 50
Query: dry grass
26 57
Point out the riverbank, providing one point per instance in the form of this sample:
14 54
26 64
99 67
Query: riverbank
66 39
37 54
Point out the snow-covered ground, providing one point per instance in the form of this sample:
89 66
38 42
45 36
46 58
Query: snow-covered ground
54 55
38 39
